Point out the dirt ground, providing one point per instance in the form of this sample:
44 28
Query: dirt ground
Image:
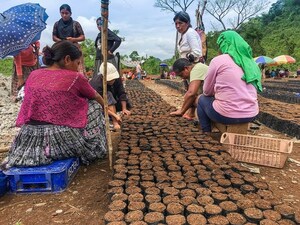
86 201
283 182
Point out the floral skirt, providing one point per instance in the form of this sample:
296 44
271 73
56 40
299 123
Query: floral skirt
37 145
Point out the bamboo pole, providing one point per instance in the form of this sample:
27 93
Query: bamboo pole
104 32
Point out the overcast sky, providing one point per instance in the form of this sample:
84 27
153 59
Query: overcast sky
146 29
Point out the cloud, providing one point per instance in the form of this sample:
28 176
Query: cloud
146 29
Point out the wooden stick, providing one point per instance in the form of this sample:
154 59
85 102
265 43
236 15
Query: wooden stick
104 32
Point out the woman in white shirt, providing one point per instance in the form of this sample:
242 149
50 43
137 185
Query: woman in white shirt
189 47
189 42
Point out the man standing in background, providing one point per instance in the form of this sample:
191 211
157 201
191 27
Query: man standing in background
113 42
138 70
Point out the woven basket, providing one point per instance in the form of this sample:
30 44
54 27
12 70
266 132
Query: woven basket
264 151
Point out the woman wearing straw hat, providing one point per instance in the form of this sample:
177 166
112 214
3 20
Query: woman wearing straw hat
116 95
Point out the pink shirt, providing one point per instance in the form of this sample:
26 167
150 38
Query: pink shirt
234 98
59 97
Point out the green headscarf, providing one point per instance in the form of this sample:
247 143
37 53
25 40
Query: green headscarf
230 42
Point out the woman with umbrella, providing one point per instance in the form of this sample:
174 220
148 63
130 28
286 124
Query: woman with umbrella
68 29
21 28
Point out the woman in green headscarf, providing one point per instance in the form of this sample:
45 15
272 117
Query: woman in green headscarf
231 84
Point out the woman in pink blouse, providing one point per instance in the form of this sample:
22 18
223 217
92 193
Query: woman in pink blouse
231 84
61 115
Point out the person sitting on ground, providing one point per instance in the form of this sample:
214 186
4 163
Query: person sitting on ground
116 94
144 74
195 74
281 72
267 73
61 115
231 84
273 73
172 75
286 72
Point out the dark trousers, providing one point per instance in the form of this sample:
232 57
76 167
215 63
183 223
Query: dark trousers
207 114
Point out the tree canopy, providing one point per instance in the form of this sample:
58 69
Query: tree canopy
272 34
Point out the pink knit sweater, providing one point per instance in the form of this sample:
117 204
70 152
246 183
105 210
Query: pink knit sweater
59 97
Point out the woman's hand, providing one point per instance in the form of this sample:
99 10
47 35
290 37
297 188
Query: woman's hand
71 39
126 112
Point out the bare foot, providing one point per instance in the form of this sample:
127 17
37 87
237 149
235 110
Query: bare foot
186 116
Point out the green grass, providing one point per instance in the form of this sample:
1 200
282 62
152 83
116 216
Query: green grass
6 66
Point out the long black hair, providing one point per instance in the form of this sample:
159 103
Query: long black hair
66 7
183 17
180 64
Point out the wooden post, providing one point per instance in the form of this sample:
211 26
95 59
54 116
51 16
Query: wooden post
104 32
199 15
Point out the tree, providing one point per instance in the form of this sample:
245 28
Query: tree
275 11
134 56
253 32
89 53
172 5
117 33
6 66
234 12
151 65
199 14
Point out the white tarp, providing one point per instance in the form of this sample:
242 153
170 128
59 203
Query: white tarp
131 63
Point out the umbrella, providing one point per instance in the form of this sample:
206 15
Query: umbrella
264 60
163 64
284 59
20 26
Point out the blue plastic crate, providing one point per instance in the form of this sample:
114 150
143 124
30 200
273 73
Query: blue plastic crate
54 177
3 184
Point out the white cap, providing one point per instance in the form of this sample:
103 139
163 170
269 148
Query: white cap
112 72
